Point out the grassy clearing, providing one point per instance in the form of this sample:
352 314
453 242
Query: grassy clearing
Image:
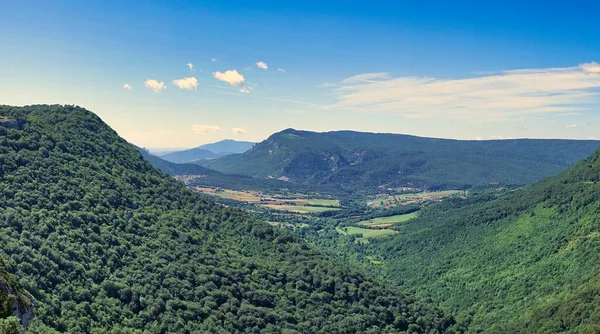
364 232
388 220
298 208
292 226
324 202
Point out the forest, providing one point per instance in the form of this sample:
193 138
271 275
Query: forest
106 243
504 261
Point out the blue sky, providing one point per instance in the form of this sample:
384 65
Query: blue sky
453 69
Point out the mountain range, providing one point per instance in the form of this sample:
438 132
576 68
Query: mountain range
208 151
359 161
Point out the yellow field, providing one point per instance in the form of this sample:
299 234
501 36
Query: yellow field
298 203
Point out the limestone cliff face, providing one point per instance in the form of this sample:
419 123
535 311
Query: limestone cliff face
15 301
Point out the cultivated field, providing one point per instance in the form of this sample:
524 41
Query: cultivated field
411 198
387 221
297 203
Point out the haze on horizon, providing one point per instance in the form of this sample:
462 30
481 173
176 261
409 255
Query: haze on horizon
178 75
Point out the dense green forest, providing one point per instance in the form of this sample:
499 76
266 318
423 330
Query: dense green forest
523 261
361 162
108 244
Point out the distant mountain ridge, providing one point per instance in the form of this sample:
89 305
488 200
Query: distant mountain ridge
208 151
358 160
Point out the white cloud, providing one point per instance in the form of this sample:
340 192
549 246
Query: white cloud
245 90
231 77
155 85
508 94
190 66
571 126
262 65
280 69
590 68
214 60
126 86
186 83
239 131
247 68
205 128
325 85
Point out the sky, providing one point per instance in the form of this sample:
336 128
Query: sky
178 74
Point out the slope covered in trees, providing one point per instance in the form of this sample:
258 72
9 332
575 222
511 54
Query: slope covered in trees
107 243
210 177
527 261
360 161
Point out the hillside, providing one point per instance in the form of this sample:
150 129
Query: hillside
360 161
208 151
524 262
202 176
105 242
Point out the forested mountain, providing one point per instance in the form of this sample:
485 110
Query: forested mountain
525 262
108 244
203 176
360 161
208 151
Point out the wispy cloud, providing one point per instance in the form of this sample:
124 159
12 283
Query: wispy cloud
262 65
231 77
281 70
571 126
155 85
245 90
126 86
247 68
190 66
186 83
239 131
507 94
325 85
214 60
205 128
590 68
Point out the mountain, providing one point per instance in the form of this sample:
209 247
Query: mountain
175 168
208 151
228 146
202 176
527 261
107 243
190 155
361 161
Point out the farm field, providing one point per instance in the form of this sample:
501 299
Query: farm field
387 221
299 208
298 203
364 232
412 198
